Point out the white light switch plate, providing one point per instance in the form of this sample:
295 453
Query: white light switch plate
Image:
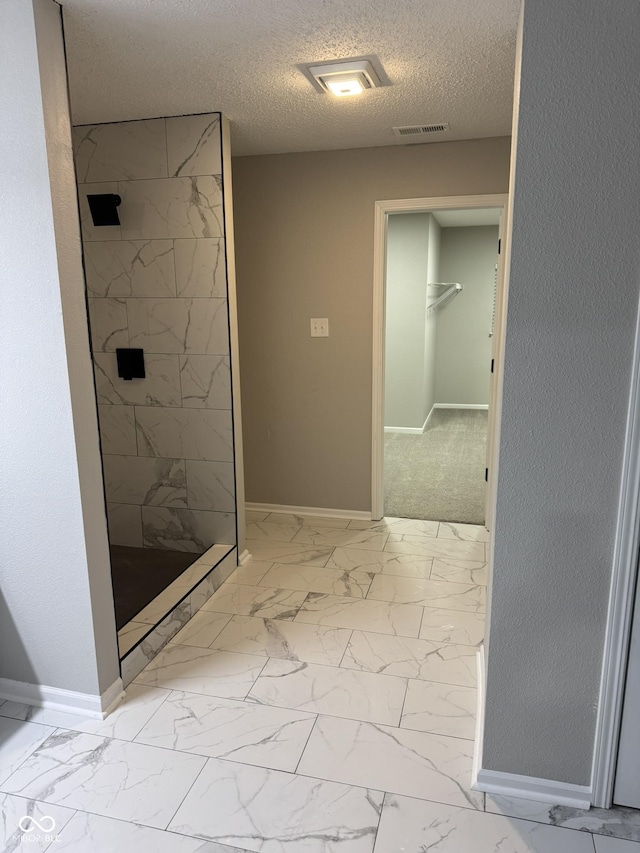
319 327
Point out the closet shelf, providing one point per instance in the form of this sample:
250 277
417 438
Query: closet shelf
453 289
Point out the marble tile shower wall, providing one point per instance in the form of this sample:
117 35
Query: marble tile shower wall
158 282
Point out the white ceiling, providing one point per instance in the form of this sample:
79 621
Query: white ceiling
464 218
447 60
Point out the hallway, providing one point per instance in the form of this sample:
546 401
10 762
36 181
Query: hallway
323 699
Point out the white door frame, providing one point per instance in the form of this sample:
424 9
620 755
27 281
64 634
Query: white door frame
381 212
621 600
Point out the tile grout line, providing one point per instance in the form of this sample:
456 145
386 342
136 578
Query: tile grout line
306 744
297 621
191 786
255 680
146 723
346 649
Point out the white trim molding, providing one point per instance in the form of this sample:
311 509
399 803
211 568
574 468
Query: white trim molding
532 788
621 599
412 430
479 733
321 512
511 784
484 406
381 211
244 558
406 430
68 701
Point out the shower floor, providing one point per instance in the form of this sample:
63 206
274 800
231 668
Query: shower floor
139 574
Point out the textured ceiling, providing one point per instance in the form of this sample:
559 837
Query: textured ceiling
447 60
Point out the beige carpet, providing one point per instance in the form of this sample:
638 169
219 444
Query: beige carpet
438 475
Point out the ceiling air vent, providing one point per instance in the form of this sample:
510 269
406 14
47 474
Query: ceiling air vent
412 133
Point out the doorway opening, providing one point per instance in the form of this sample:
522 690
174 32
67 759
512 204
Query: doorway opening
437 318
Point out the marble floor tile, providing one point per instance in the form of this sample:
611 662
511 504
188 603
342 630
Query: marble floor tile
245 600
268 811
405 565
414 826
313 520
213 673
20 822
398 525
452 626
202 629
327 690
255 515
431 767
429 593
463 532
410 658
18 740
442 709
459 571
423 546
129 635
617 822
276 552
614 845
271 532
139 704
287 640
110 777
368 540
225 728
318 579
251 574
361 614
97 834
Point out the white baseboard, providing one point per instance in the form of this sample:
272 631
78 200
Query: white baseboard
531 788
310 510
479 733
511 784
244 558
405 430
484 406
411 430
69 701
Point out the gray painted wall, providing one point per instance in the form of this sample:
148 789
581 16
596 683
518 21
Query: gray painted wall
463 348
304 239
574 275
57 624
410 336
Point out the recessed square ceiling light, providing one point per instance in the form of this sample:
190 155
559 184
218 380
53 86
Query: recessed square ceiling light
350 77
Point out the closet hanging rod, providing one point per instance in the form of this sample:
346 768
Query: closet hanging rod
453 289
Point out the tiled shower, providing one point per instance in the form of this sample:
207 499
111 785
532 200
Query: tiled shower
157 282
